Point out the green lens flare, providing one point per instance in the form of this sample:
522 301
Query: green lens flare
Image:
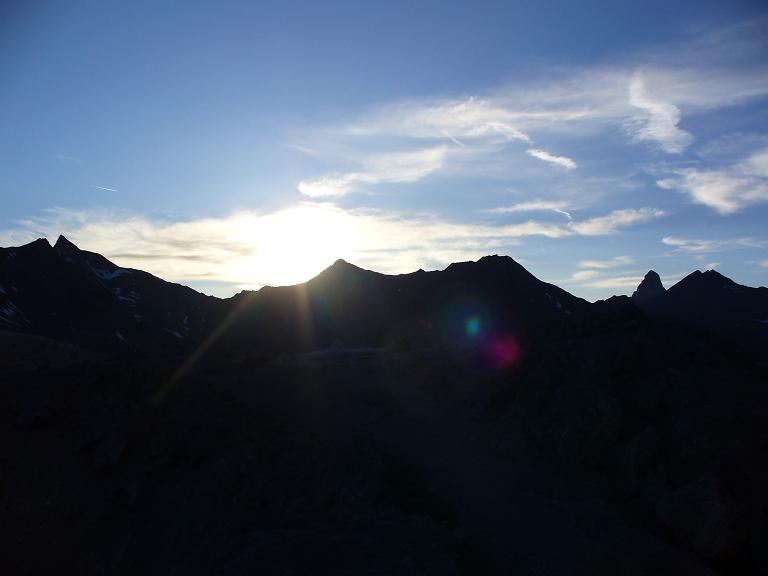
473 326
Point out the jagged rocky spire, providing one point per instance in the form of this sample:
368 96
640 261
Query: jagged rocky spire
650 287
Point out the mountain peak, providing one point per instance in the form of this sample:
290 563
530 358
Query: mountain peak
92 260
710 279
496 258
342 269
63 244
36 245
496 266
493 260
341 266
650 287
715 275
707 281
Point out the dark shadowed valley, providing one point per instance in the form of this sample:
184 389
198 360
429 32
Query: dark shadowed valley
473 420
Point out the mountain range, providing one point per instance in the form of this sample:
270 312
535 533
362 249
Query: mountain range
470 420
82 298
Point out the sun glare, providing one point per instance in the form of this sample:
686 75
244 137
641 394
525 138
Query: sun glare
293 245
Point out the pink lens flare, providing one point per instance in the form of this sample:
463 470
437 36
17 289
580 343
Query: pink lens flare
503 351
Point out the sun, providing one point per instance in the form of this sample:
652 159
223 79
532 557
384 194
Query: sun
295 244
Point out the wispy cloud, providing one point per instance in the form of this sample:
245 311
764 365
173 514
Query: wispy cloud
105 188
464 119
501 132
533 206
605 264
726 190
329 186
658 121
648 97
615 220
616 282
303 149
394 167
62 157
581 275
699 245
563 161
596 273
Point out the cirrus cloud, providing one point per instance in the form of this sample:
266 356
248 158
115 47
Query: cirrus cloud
659 121
603 264
615 220
700 246
533 206
409 166
563 161
726 190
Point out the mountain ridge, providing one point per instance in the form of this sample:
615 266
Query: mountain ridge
82 297
63 245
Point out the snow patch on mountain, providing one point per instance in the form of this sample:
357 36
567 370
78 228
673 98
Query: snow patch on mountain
110 274
132 297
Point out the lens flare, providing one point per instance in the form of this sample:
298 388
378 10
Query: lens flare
504 351
473 326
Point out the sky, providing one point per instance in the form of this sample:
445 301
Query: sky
231 145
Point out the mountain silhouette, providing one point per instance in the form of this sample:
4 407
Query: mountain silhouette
358 307
714 303
81 297
650 287
469 420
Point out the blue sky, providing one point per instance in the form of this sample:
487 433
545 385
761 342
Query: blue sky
235 144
